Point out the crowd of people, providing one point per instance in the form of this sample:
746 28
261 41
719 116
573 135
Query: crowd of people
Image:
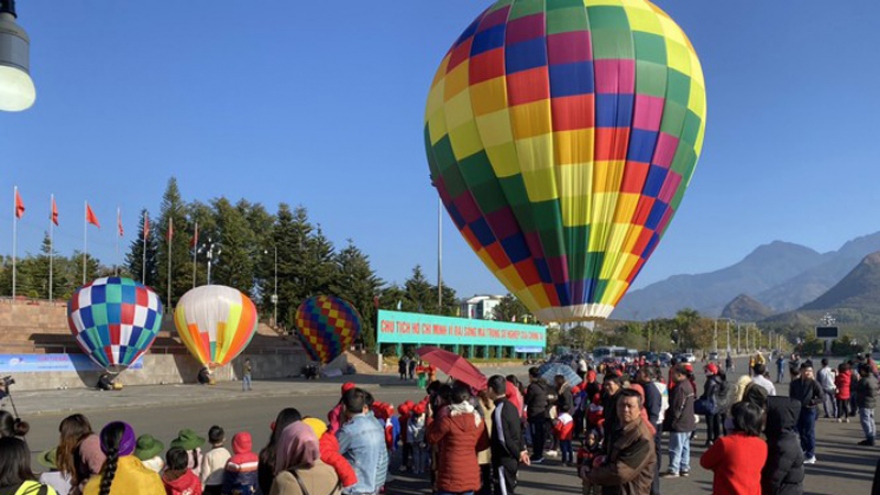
468 441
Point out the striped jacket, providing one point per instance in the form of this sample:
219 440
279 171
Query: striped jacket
241 469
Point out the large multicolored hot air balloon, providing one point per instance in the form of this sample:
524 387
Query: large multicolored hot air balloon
327 326
115 320
561 136
215 323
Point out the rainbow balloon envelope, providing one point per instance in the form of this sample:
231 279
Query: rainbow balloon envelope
216 323
115 320
561 136
327 326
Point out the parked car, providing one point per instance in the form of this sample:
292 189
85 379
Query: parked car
713 356
688 357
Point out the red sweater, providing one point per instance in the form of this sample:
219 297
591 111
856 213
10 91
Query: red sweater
736 460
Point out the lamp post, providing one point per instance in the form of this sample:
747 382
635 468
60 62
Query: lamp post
210 256
17 90
275 292
728 320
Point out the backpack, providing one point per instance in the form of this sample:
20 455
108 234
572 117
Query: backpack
725 396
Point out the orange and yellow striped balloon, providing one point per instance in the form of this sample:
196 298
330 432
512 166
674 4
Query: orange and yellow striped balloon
216 323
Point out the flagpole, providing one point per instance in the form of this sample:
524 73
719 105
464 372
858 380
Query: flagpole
195 250
168 238
14 234
51 245
116 262
144 262
85 237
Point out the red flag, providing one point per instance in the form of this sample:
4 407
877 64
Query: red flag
170 229
146 225
19 205
195 238
91 218
54 212
119 222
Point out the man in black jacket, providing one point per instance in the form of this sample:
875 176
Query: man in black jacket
537 413
610 394
508 446
807 390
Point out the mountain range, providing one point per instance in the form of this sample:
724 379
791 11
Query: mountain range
781 277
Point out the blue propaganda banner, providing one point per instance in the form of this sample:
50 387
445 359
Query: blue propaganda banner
36 363
417 328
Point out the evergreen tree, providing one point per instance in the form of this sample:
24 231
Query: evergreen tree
173 248
134 260
288 235
357 283
421 296
33 274
320 265
202 214
236 239
510 309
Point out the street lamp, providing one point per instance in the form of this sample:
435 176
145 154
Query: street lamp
275 293
210 256
728 332
17 90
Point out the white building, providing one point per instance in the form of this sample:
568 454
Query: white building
480 307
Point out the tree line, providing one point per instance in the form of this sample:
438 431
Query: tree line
242 240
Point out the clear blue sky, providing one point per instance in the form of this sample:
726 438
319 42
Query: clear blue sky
321 103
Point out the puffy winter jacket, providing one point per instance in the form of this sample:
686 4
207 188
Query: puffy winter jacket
843 382
459 439
783 474
241 470
186 484
536 398
330 455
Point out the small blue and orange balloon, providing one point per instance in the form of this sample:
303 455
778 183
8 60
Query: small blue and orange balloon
327 326
115 320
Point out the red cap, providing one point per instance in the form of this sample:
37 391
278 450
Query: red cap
712 369
419 409
348 386
689 367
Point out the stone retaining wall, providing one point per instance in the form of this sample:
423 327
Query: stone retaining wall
167 368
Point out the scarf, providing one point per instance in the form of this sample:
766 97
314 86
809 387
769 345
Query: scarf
297 447
465 408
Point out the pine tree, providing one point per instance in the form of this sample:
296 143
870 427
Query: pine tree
288 235
357 283
175 249
510 309
235 268
134 260
320 264
421 296
203 215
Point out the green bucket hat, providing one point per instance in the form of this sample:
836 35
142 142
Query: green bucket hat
188 439
148 447
47 459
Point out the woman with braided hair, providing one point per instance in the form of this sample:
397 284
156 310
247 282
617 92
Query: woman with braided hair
123 473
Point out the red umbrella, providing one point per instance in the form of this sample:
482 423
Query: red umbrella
453 365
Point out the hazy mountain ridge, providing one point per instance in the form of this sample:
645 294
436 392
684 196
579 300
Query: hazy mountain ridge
781 276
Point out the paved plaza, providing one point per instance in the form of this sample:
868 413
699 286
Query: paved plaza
843 467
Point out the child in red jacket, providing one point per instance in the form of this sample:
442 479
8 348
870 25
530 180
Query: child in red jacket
178 478
563 427
591 448
404 410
